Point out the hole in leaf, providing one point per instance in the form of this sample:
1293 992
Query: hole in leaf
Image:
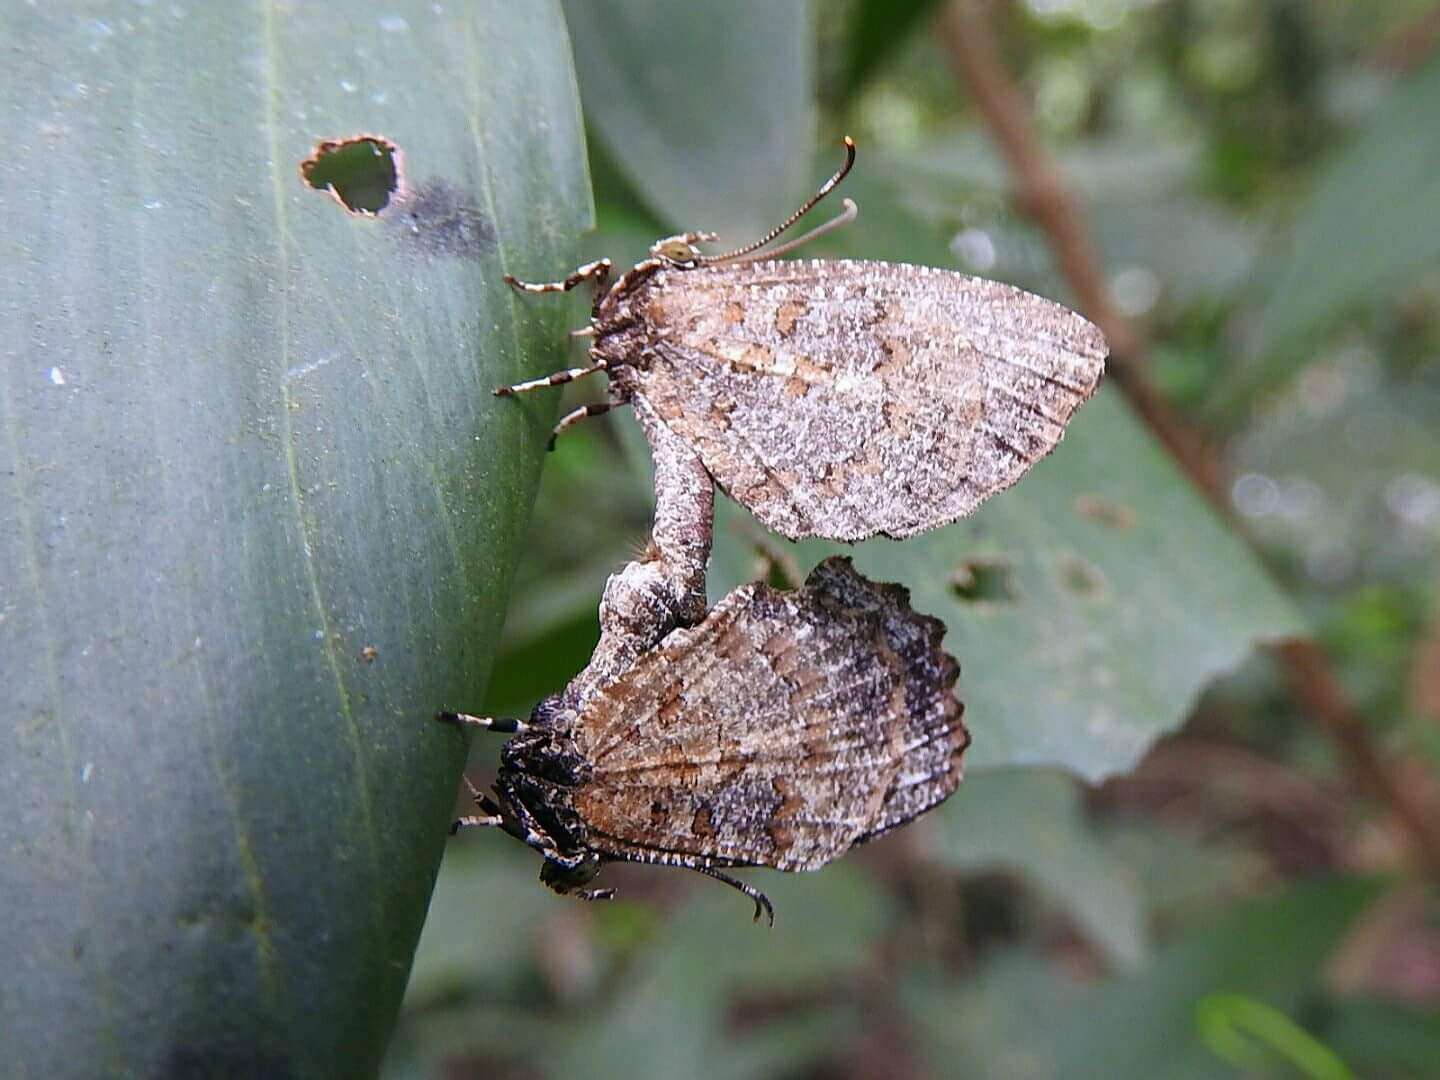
1105 511
983 581
362 172
1080 577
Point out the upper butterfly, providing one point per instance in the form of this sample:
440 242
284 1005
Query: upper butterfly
837 399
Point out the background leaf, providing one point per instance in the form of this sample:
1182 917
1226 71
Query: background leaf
1139 198
1370 220
715 139
876 29
244 437
1031 821
1120 596
1385 1038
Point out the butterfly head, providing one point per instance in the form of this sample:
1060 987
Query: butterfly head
680 252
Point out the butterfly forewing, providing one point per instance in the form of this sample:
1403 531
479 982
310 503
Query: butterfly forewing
779 732
847 399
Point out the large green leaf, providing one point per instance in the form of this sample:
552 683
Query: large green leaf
704 107
261 509
1088 606
1373 217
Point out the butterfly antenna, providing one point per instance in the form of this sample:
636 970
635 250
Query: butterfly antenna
845 216
809 205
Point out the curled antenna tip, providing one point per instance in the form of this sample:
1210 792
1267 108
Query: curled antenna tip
805 208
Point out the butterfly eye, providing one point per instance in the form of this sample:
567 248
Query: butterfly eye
677 250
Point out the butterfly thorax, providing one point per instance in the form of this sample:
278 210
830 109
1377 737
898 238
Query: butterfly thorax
546 754
539 772
657 311
625 328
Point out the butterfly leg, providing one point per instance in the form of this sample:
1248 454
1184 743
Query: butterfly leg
762 902
489 817
570 419
595 894
597 271
505 725
477 821
554 379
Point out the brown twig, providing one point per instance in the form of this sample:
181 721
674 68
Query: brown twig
1410 46
1315 685
964 31
1425 668
1041 192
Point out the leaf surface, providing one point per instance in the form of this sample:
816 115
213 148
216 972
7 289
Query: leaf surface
715 139
263 510
1372 218
1088 605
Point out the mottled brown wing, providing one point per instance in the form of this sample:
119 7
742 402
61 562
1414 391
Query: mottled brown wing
845 399
780 731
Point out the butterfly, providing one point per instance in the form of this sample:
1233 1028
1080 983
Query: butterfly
839 399
780 731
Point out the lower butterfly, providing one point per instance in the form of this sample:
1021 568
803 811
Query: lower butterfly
782 730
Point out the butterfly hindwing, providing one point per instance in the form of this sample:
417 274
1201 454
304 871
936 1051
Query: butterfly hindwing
780 731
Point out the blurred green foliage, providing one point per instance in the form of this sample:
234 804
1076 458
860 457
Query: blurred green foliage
1258 179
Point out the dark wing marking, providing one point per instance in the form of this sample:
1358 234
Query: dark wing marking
778 732
845 399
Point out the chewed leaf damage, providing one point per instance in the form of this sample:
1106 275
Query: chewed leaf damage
362 173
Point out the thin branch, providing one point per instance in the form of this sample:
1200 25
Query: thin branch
1041 193
1425 667
1407 48
964 30
1314 684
